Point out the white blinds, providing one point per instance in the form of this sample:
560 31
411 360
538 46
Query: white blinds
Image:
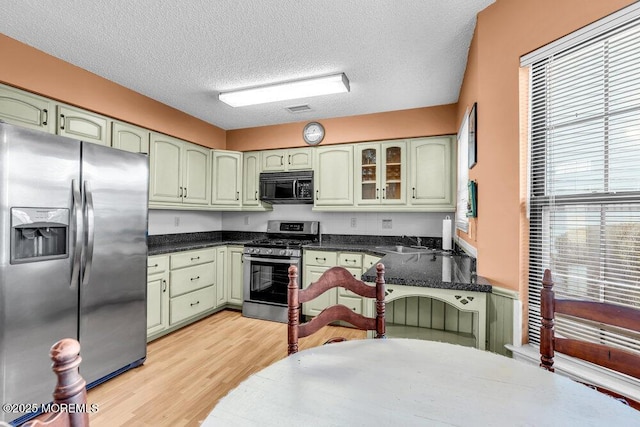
585 177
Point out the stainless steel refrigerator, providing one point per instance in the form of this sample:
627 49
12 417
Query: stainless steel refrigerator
73 255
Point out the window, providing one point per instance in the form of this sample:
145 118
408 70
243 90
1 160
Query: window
462 222
584 197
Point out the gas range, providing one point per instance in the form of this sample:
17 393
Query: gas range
284 238
289 247
266 266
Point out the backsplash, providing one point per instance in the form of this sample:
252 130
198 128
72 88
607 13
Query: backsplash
344 223
350 223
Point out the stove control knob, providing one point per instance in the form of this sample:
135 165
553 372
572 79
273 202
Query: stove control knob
282 251
268 251
289 252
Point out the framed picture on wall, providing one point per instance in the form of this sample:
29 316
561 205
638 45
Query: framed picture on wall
473 126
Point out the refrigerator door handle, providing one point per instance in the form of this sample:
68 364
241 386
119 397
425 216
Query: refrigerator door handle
89 221
77 237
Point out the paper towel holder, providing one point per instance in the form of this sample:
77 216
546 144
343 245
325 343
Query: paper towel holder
447 238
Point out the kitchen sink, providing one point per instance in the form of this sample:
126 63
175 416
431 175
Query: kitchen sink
408 250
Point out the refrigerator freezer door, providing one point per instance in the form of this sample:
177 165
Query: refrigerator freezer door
113 284
38 302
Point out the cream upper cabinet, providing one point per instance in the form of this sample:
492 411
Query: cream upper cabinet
35 112
179 171
287 160
333 176
381 173
251 178
166 168
226 171
83 125
27 110
129 137
431 172
196 174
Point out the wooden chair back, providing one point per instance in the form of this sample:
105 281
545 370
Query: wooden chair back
332 278
70 391
604 355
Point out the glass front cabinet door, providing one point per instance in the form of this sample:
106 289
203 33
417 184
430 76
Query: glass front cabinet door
381 173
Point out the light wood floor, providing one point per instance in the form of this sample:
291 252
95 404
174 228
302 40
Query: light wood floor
188 371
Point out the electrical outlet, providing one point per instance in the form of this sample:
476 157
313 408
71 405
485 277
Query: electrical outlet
387 224
176 221
354 222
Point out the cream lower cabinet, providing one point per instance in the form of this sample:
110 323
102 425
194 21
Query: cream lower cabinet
157 294
315 264
192 289
229 275
235 278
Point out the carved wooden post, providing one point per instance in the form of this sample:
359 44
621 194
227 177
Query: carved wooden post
380 291
294 308
546 329
70 388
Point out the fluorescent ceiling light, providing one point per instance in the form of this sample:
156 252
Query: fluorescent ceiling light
325 85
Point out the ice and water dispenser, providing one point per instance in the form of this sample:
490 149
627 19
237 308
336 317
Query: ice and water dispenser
38 234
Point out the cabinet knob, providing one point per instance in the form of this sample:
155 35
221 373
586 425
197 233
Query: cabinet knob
185 191
46 116
195 278
61 121
195 258
256 196
164 285
413 192
317 194
237 195
195 303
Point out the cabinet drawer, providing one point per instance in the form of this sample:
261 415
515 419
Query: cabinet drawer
192 304
320 258
192 278
185 259
157 264
348 259
353 303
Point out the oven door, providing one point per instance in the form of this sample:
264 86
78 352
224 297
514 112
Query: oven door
266 279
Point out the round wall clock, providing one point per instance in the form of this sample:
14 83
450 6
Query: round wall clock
313 133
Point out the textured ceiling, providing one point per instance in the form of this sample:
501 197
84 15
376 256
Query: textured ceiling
397 54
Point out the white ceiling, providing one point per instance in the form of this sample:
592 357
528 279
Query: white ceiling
397 54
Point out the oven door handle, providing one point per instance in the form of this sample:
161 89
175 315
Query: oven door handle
273 260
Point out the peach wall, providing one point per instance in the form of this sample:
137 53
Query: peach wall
505 31
30 69
428 121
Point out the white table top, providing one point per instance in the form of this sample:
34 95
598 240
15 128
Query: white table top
417 383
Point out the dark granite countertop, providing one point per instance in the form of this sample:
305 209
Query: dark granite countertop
437 270
432 270
167 243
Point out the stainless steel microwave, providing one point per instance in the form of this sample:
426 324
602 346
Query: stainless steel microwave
286 187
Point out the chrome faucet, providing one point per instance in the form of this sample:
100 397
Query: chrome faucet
417 239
